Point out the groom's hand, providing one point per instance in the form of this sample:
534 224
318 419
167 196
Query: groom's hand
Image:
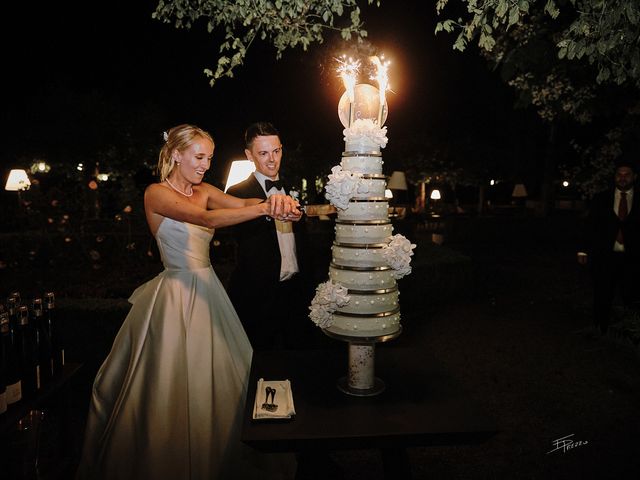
283 207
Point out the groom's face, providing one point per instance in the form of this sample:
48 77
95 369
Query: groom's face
266 153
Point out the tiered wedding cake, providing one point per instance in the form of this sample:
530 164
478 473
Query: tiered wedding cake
360 299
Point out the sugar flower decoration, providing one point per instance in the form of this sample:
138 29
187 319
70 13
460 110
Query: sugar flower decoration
365 127
341 187
329 297
398 255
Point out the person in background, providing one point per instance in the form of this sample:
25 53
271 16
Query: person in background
611 245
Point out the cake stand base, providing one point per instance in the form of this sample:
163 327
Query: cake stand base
377 388
361 380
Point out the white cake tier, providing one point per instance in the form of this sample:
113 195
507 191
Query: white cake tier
358 256
363 234
362 144
365 326
362 279
366 164
370 303
368 210
370 188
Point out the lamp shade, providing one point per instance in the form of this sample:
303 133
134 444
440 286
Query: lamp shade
18 180
239 171
398 181
519 191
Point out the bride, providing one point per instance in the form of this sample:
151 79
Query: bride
167 403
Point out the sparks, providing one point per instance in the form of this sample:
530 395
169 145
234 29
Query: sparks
348 71
382 77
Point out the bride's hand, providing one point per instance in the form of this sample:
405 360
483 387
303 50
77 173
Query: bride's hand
283 207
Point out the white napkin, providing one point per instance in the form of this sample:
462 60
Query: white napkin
283 399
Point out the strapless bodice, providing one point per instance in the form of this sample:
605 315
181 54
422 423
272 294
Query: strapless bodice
183 246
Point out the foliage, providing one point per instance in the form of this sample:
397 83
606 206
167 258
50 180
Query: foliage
283 23
576 63
604 33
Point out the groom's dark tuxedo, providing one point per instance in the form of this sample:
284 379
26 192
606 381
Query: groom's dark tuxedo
273 313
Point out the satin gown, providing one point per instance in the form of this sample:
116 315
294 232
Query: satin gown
167 401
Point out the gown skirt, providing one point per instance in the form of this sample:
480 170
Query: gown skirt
167 402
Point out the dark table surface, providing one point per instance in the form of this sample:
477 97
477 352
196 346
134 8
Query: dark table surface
16 411
421 405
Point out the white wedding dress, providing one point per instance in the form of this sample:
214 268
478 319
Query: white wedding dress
167 403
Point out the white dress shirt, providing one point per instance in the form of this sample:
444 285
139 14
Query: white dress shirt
619 247
286 240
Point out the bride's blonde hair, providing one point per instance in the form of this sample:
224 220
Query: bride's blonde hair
178 138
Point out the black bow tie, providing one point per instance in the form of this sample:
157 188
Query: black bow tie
268 184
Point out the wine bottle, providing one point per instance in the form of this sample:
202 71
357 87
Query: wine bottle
3 368
54 324
10 361
25 344
13 302
43 342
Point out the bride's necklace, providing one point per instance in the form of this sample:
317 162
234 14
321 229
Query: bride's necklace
177 190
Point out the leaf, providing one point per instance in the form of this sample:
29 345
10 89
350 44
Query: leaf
460 43
562 53
514 16
603 75
501 9
632 13
448 26
551 9
486 41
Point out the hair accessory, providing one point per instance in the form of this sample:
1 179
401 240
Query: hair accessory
165 135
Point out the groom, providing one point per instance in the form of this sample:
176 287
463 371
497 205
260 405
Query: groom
268 287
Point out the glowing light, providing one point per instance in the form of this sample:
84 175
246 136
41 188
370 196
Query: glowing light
388 193
348 71
382 76
240 170
17 181
102 177
40 167
80 167
492 182
565 184
435 194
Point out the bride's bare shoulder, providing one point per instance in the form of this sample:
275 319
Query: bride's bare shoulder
156 189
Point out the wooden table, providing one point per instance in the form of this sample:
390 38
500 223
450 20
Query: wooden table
421 406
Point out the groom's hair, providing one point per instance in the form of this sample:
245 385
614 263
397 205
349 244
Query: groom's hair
258 129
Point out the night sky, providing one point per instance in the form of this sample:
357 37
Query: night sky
56 52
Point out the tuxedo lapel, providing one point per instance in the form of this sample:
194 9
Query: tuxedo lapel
254 189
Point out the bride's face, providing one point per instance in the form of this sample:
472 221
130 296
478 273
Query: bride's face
195 160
